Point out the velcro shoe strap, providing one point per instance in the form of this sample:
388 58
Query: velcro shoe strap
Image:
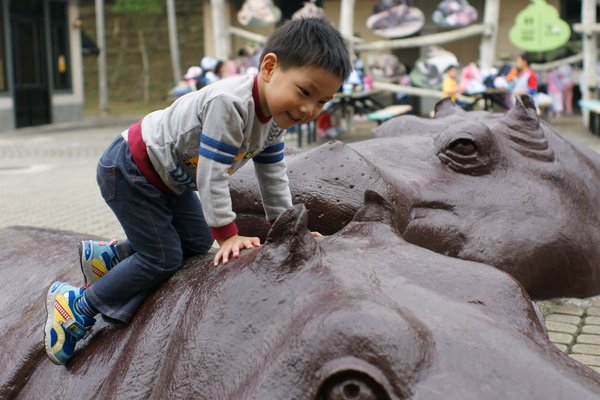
76 329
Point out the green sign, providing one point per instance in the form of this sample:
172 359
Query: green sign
539 28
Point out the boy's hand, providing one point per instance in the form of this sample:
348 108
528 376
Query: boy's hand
315 234
232 245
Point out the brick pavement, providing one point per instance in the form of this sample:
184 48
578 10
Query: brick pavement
47 179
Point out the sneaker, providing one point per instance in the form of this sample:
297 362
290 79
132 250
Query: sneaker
96 259
64 325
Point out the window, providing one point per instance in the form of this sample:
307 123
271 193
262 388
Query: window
59 31
3 84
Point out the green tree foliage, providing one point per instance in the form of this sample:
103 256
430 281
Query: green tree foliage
139 7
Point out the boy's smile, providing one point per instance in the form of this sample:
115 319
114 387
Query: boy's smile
294 95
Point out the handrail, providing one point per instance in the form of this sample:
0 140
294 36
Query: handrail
412 90
574 59
426 40
255 37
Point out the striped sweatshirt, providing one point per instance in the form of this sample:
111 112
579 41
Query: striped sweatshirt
205 136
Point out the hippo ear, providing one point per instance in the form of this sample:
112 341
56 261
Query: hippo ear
524 130
446 107
289 243
524 113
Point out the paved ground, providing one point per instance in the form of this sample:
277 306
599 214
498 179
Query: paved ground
47 179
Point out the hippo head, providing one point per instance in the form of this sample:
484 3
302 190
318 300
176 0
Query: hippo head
504 189
361 314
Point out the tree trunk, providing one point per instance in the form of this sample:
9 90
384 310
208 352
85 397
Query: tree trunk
114 77
145 66
173 41
101 42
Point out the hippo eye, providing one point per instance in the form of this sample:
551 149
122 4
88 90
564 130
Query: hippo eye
463 147
467 155
352 386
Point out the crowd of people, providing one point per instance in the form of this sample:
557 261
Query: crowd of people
210 70
555 93
552 90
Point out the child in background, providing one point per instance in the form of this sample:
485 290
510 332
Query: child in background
450 82
450 87
555 91
526 80
149 176
566 73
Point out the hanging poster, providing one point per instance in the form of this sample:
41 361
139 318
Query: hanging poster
309 10
395 19
538 28
428 71
258 13
454 13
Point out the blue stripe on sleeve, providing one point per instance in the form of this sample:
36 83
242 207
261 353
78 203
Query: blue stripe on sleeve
220 158
224 147
274 148
268 159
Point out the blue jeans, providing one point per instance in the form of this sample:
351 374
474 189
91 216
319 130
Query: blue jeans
161 231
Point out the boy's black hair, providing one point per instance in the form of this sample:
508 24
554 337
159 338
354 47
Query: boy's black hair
310 42
526 57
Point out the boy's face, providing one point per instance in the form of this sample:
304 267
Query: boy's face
294 95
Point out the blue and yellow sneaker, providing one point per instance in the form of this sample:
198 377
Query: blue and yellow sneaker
64 325
96 259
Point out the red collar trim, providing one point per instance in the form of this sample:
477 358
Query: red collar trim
261 117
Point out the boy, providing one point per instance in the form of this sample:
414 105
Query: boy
148 176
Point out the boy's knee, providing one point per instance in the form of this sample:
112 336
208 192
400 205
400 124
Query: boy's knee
167 263
201 246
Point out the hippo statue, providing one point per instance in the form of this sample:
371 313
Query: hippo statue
506 190
360 314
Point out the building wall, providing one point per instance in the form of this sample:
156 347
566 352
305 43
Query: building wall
6 102
7 121
65 106
68 107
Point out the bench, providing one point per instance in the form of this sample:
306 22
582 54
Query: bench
593 106
387 113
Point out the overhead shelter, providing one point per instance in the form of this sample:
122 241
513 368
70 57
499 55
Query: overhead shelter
223 30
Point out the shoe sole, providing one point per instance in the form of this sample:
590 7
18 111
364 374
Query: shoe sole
48 327
86 282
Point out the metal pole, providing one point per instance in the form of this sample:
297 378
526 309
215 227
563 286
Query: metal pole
487 48
173 42
590 53
347 23
102 81
220 29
